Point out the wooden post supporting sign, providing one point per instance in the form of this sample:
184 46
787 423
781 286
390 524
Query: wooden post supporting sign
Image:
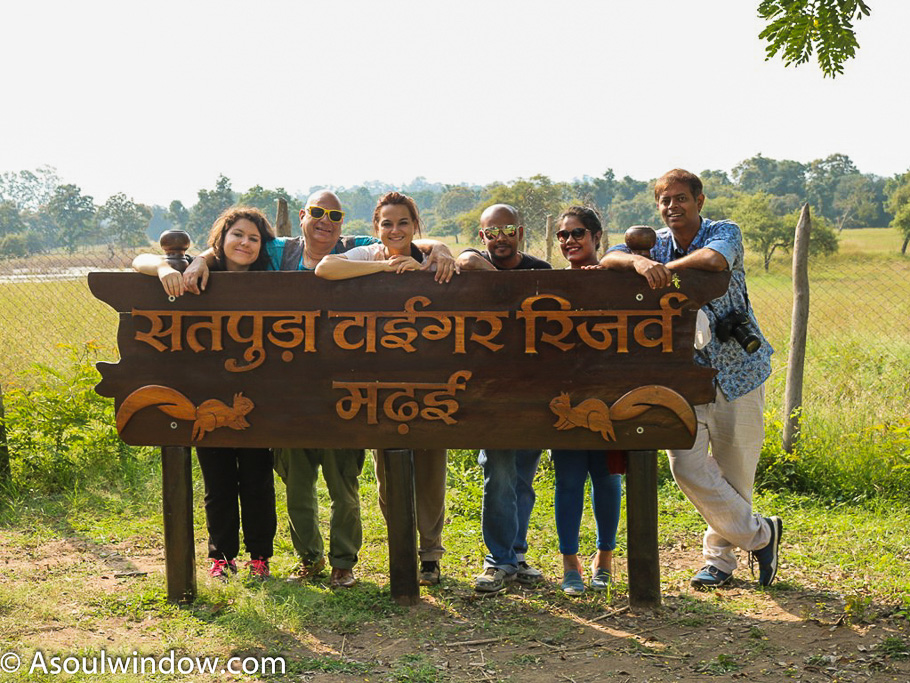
402 525
179 546
641 529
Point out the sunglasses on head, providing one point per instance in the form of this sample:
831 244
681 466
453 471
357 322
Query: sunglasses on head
577 233
317 212
507 230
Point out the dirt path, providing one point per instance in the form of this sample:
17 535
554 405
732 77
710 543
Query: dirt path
794 632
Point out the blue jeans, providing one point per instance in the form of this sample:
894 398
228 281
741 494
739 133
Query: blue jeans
572 469
508 498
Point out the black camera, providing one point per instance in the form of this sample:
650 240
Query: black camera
737 326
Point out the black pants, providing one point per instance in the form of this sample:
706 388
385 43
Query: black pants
244 473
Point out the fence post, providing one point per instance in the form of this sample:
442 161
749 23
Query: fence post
282 221
4 448
798 329
549 238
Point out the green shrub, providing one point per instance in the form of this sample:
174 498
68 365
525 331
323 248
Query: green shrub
839 465
13 246
60 432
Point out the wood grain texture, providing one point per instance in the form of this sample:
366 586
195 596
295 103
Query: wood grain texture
177 506
470 364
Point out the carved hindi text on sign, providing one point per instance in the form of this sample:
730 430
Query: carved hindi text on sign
289 331
400 404
399 331
368 331
598 335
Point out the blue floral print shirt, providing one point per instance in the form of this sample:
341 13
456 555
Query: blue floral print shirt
738 372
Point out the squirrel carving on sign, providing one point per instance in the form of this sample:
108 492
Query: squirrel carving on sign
594 414
207 417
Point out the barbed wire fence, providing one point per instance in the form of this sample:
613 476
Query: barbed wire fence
858 335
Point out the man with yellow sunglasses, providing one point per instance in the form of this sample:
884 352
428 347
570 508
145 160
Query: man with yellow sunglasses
321 221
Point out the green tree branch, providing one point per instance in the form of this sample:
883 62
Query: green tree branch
797 28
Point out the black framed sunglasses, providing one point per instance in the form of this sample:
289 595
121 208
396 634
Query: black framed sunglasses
576 233
317 212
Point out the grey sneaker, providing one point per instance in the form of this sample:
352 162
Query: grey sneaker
492 580
528 575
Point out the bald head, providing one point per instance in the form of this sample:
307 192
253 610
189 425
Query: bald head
499 214
501 233
320 234
320 197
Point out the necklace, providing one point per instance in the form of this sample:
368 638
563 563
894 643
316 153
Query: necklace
310 261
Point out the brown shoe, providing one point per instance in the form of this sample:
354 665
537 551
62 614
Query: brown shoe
342 578
306 569
429 573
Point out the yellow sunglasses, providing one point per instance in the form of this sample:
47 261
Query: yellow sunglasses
317 212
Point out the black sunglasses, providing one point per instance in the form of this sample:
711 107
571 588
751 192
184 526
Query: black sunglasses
577 233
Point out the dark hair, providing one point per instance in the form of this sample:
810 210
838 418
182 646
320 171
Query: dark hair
396 198
588 218
678 175
224 223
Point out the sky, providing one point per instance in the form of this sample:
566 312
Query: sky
156 99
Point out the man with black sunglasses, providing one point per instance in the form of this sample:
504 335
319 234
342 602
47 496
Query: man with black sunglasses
508 475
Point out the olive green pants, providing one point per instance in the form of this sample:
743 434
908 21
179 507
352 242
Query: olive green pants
299 470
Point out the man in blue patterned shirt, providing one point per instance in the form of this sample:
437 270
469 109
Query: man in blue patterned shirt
717 474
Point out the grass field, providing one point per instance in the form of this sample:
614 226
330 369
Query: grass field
81 553
39 319
81 572
859 322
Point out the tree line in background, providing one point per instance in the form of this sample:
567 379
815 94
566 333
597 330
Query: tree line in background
39 213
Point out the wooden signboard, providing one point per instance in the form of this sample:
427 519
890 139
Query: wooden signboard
518 359
521 359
